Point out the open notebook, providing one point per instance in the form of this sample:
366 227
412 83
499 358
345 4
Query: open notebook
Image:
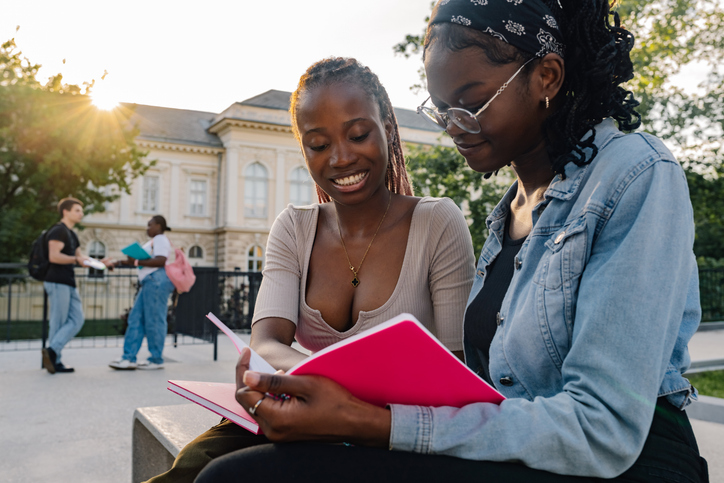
396 362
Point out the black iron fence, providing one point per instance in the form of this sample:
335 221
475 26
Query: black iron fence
711 288
107 299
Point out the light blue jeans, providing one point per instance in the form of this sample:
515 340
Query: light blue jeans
148 317
66 315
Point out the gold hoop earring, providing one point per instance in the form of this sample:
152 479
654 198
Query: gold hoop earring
547 103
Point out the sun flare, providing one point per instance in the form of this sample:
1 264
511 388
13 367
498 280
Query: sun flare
104 99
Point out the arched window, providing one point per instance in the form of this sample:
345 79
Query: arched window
196 252
300 187
255 191
256 259
96 250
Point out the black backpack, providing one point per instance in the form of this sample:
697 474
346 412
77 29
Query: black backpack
38 262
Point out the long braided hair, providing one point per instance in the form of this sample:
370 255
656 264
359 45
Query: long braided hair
597 62
342 69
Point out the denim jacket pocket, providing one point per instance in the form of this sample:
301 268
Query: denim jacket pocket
557 279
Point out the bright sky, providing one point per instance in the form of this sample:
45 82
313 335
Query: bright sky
208 54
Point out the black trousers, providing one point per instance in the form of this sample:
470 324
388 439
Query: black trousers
670 454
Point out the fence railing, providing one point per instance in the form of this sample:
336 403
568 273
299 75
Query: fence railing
107 298
711 289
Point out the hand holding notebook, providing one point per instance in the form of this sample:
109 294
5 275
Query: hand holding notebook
135 250
378 367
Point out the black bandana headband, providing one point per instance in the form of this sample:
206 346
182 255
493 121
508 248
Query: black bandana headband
528 25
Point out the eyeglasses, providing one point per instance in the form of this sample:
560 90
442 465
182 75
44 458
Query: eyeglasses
462 118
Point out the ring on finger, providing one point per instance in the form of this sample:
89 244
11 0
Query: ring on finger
253 409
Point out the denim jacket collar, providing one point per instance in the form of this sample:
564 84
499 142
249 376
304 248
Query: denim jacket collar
565 189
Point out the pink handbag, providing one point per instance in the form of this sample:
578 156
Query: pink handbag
180 272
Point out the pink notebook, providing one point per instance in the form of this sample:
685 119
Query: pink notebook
219 397
397 362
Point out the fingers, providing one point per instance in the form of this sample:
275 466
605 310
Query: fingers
276 383
242 365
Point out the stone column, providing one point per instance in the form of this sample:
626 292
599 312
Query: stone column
281 177
124 207
175 195
231 182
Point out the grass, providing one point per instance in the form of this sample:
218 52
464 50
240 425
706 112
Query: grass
708 383
32 329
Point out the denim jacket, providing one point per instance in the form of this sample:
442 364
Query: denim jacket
594 326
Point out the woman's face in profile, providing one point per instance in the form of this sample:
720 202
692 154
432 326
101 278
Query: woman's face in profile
510 127
344 141
153 228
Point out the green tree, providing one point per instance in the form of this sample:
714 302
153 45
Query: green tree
670 35
53 144
441 171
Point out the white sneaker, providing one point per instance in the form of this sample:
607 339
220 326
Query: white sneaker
123 365
149 366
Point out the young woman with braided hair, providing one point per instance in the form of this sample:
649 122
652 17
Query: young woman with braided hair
584 298
365 253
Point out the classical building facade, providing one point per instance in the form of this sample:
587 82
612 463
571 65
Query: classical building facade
219 179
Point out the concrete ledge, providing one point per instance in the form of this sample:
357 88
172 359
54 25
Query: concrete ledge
159 434
705 366
710 326
707 408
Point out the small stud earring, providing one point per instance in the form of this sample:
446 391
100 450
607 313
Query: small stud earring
547 103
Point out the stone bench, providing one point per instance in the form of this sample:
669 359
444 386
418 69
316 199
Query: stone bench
707 409
159 434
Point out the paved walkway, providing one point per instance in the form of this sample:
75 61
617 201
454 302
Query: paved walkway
77 427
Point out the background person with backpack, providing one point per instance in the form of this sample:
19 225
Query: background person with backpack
66 312
148 315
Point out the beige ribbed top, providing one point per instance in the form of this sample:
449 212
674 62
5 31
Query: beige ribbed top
434 283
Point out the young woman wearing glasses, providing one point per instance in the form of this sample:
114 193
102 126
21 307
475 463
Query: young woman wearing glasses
584 299
366 253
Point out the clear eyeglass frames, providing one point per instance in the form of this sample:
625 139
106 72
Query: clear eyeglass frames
462 118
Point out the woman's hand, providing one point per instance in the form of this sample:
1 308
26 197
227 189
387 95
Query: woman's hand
317 408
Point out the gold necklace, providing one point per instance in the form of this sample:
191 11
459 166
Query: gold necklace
355 280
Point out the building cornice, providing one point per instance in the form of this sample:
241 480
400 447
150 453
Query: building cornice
188 148
244 124
176 229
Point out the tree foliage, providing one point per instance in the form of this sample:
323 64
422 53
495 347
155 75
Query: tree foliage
671 36
441 171
53 144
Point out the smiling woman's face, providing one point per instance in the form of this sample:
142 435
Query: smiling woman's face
344 141
510 126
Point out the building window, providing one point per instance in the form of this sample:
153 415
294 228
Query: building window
198 197
300 189
256 259
196 252
96 250
255 191
150 194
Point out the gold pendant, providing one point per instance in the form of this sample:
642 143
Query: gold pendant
355 281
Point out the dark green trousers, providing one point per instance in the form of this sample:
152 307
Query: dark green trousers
224 438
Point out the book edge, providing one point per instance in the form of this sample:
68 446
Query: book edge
217 409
